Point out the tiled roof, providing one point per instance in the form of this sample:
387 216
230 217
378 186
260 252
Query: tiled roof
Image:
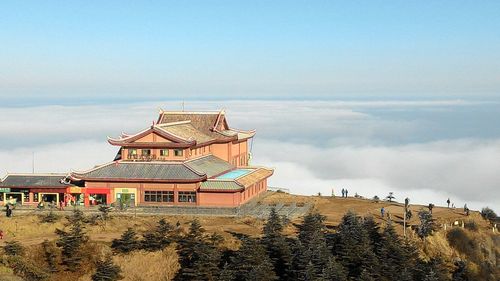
186 131
142 171
209 165
205 122
220 185
254 177
236 184
33 180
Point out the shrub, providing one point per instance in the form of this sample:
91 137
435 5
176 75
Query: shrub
13 248
51 217
27 270
488 214
463 243
471 225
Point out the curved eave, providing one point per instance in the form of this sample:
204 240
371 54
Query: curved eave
152 129
222 190
152 144
142 180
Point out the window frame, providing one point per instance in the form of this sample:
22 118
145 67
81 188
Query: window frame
178 152
164 150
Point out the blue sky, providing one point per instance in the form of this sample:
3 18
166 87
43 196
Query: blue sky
400 96
91 50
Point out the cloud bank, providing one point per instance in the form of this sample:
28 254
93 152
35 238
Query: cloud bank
427 150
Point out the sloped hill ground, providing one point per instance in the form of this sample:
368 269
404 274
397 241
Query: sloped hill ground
483 243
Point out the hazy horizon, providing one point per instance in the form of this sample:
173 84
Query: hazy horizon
428 150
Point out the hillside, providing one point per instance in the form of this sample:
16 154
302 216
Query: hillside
28 230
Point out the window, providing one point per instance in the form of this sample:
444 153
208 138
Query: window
158 196
146 152
132 153
163 152
186 196
178 152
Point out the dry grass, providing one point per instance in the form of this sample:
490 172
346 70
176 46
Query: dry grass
146 266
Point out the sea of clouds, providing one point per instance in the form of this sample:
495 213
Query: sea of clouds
428 150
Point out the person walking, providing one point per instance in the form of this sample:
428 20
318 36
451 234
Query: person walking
61 206
343 193
430 207
8 210
448 201
382 211
346 193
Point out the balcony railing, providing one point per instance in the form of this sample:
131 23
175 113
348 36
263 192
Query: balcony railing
146 158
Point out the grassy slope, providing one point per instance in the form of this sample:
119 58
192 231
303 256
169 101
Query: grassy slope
30 232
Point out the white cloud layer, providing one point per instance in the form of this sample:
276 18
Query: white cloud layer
427 150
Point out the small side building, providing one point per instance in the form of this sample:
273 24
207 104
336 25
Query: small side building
30 189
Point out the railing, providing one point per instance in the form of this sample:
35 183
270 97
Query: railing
145 157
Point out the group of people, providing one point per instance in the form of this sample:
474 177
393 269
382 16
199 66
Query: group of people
344 192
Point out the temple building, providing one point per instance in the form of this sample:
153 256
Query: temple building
182 159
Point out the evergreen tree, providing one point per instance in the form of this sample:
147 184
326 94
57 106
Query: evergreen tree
77 216
392 253
13 248
365 276
226 274
199 256
72 241
50 253
159 238
313 251
427 224
107 271
373 231
26 269
333 271
460 273
127 243
276 245
252 263
353 247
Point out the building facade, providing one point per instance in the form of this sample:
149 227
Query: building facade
31 189
183 159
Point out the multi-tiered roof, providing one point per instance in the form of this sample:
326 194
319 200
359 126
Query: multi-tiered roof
185 130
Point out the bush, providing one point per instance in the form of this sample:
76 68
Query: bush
463 243
51 217
488 214
13 248
27 270
471 225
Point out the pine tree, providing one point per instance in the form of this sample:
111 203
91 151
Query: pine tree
392 254
159 238
365 276
127 243
106 270
72 241
199 256
353 248
373 231
427 224
460 273
13 248
252 262
276 245
333 271
50 253
226 273
26 269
